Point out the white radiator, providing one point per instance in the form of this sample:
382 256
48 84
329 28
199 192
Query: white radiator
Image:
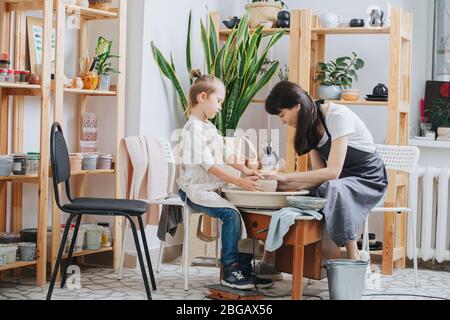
428 199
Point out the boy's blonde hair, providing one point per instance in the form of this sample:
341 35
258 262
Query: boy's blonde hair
203 83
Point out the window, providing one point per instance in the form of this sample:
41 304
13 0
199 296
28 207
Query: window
441 55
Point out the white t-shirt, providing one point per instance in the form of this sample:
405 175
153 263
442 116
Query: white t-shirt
341 122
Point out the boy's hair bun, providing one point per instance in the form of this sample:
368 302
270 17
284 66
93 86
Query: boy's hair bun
196 73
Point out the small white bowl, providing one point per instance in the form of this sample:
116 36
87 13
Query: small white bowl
266 24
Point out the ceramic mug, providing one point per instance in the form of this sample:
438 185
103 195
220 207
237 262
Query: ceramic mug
330 20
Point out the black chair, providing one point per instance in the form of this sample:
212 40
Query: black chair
129 209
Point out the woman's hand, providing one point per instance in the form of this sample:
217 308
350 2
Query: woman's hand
250 184
252 173
284 183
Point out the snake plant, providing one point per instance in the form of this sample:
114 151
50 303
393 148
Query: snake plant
237 63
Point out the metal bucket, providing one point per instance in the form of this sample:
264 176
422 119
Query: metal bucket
346 279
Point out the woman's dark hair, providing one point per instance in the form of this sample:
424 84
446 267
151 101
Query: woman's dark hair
288 95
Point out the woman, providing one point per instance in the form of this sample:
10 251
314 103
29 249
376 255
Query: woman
346 170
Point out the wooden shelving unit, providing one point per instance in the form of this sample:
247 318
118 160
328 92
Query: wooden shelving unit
86 15
14 10
312 44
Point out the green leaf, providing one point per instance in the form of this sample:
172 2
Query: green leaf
167 70
213 45
206 48
188 46
359 64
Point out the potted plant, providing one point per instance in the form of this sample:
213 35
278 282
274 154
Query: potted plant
238 64
263 10
104 67
336 75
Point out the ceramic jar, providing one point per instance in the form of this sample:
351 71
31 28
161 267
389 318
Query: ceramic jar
330 20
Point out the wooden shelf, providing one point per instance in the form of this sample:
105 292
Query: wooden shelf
35 178
20 89
21 179
359 102
377 30
398 253
91 14
91 172
18 264
265 31
90 92
429 143
89 252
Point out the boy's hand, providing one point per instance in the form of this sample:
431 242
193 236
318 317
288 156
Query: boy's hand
250 184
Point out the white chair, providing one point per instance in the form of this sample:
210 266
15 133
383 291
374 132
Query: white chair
172 200
404 159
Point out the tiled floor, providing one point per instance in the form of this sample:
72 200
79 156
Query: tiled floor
102 284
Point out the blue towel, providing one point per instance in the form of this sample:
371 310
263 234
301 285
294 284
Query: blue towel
281 222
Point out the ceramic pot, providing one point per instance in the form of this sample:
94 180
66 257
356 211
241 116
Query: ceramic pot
380 90
330 20
330 92
77 83
104 82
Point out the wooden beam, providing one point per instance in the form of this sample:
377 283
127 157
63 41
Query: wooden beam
58 117
44 145
3 151
120 125
305 56
294 65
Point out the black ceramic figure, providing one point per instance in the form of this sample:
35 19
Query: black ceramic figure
232 23
380 90
357 23
284 15
283 23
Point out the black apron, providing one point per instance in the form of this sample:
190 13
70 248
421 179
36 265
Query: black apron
359 189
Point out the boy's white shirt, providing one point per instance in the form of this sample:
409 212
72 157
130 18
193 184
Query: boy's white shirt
201 147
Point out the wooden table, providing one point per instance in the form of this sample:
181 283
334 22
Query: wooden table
301 252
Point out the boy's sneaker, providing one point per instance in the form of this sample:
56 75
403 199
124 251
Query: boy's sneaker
267 271
245 260
234 277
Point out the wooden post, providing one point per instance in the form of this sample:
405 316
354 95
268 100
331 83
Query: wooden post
5 24
45 130
393 137
304 79
294 66
3 151
58 117
120 125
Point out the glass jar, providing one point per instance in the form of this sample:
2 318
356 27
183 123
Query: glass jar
3 74
26 76
33 159
20 164
90 80
106 239
10 76
17 76
5 64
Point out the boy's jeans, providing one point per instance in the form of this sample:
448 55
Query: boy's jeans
231 229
